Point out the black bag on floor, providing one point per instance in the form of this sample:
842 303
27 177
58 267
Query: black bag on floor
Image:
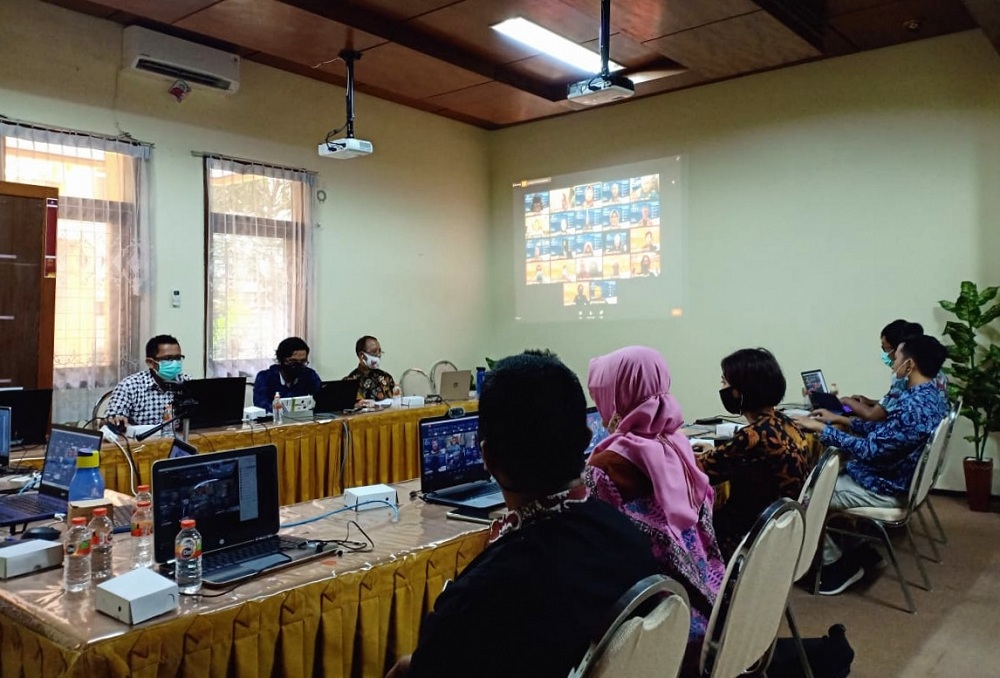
829 656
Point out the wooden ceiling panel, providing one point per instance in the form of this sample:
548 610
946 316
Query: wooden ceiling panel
277 29
469 25
408 73
499 104
646 20
886 24
398 9
750 42
157 10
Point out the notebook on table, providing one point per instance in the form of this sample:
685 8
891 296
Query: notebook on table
57 472
451 464
233 497
455 385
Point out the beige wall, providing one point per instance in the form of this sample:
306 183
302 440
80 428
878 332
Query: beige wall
823 201
390 224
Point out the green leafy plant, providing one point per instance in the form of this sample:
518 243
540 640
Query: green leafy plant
489 363
975 361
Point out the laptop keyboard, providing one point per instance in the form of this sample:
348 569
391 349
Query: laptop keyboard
221 560
30 504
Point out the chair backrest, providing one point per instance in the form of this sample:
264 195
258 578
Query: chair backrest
754 593
952 417
100 409
815 500
643 637
927 467
415 382
437 369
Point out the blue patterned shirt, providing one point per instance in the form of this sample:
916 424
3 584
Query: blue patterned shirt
885 453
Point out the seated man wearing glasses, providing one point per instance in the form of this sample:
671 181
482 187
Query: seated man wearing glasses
140 399
373 383
290 377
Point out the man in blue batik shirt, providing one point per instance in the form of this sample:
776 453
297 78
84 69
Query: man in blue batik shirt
883 454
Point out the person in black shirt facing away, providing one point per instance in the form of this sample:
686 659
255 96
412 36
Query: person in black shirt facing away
531 602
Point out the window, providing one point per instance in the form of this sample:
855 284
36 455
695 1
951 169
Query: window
99 270
258 262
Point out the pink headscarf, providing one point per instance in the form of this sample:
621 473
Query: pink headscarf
634 383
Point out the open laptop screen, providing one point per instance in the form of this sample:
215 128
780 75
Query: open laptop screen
213 402
596 427
450 454
30 409
814 381
232 495
65 444
4 437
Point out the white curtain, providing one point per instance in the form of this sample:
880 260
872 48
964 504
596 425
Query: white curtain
259 262
101 265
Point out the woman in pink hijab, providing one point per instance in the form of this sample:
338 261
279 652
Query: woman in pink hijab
646 469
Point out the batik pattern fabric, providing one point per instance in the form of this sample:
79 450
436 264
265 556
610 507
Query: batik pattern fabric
373 384
884 454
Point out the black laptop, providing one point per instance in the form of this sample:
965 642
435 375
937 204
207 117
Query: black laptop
819 395
451 464
212 403
57 472
333 397
30 409
4 439
233 497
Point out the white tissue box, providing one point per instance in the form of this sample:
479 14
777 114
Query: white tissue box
136 596
412 401
29 556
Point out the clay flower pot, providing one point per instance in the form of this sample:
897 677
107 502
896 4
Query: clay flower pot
978 482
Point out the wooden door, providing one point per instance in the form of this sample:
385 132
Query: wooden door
27 284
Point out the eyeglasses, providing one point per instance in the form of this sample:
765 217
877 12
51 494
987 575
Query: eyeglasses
293 363
168 357
376 354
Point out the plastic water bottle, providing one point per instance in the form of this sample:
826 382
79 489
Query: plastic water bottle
87 482
397 396
101 530
142 535
480 378
168 415
187 558
277 408
76 556
142 493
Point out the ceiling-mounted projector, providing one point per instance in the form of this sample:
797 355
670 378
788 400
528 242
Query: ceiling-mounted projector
600 90
344 149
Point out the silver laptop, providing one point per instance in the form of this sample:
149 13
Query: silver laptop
455 385
451 464
233 497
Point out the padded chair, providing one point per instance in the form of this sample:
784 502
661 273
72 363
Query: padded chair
415 382
640 640
881 518
437 369
941 538
815 501
100 409
754 593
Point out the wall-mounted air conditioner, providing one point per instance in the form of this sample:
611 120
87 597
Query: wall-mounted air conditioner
175 59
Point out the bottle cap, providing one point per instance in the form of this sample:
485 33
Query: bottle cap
187 523
79 520
142 504
142 488
100 511
88 459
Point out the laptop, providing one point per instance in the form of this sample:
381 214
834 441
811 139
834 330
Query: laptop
30 409
57 472
212 403
451 464
333 397
596 425
455 385
819 394
233 497
4 438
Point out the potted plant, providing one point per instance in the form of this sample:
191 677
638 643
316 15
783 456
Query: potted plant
975 380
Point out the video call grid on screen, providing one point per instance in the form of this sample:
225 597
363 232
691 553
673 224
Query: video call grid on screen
601 244
451 453
61 452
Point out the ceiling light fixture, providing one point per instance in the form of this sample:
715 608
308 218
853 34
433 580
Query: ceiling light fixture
552 44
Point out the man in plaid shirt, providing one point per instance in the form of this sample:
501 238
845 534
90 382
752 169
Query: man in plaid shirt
141 398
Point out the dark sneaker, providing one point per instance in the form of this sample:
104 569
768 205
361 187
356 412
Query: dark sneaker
869 558
839 576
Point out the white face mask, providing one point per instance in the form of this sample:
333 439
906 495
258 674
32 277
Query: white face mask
371 361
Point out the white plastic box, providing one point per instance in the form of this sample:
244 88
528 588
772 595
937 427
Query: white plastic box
29 556
136 596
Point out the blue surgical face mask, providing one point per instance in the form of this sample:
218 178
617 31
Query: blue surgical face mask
168 370
886 359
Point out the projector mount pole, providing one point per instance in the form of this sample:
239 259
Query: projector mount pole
350 56
605 37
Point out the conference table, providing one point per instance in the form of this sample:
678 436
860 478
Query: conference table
340 616
316 457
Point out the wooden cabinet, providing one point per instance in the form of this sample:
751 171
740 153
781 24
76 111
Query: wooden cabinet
28 217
